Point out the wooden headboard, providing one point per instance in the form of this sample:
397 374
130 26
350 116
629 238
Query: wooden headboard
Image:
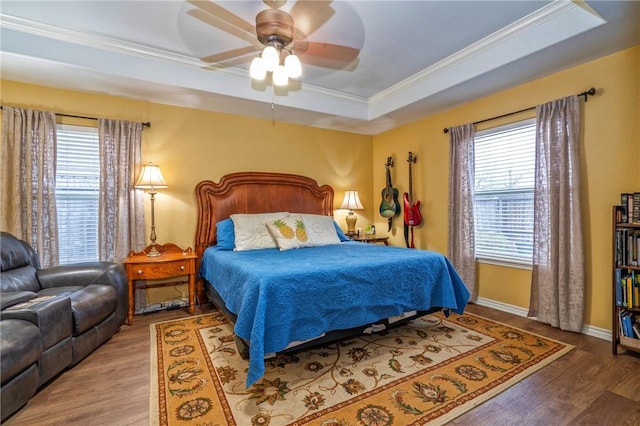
255 192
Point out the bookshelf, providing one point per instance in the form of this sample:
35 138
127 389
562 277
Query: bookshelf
626 280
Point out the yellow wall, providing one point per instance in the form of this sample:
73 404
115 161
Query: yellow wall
610 159
192 145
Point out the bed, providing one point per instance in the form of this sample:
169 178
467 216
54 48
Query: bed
280 297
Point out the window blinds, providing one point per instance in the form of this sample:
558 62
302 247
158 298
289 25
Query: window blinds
77 189
504 180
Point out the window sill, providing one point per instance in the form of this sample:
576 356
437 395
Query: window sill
506 263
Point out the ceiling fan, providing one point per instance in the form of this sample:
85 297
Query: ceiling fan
278 38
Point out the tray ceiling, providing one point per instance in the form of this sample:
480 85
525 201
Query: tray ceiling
415 57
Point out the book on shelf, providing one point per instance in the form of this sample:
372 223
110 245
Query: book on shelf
627 319
625 208
618 278
628 289
619 214
627 247
630 207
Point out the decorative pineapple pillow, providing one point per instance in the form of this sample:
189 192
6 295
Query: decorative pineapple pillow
289 232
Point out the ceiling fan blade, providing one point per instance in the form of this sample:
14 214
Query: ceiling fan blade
325 55
235 62
223 14
274 4
224 57
310 15
222 25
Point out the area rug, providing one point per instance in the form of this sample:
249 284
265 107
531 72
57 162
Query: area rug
428 371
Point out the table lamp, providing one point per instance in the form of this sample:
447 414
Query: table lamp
352 202
151 179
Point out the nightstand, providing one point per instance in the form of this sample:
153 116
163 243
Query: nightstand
173 262
371 238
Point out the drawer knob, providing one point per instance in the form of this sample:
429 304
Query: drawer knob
139 271
182 268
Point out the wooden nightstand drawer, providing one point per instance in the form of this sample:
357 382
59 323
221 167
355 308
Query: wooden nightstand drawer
161 270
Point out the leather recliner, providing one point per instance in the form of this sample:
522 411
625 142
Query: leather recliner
51 318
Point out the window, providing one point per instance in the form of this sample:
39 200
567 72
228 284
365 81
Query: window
504 179
77 190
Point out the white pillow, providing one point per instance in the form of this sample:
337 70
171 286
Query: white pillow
251 232
289 232
321 229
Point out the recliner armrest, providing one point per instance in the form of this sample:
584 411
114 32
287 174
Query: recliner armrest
52 316
11 298
86 273
75 274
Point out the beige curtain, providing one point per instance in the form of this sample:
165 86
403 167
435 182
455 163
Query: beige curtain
461 250
28 174
557 287
121 214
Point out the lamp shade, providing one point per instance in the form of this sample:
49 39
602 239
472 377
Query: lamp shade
150 177
351 200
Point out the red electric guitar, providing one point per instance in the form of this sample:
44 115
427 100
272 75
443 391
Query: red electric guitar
412 216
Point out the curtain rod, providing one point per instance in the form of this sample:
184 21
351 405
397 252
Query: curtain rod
586 93
145 124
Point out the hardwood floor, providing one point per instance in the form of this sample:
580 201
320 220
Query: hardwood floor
587 386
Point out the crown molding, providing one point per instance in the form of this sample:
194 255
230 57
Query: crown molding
93 40
530 34
551 24
102 42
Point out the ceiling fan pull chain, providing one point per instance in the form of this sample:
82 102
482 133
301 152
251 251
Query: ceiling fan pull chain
273 107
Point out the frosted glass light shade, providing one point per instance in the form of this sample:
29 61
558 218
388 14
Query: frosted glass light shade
257 70
271 58
280 77
293 66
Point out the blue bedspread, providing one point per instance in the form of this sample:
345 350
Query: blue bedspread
286 296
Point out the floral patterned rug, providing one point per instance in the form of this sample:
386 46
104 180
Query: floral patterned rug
428 371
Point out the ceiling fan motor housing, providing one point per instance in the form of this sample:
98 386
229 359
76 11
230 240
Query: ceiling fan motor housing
274 25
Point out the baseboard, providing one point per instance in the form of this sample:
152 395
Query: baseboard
504 307
589 330
600 333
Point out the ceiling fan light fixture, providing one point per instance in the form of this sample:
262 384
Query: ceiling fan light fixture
293 66
258 71
271 58
280 77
